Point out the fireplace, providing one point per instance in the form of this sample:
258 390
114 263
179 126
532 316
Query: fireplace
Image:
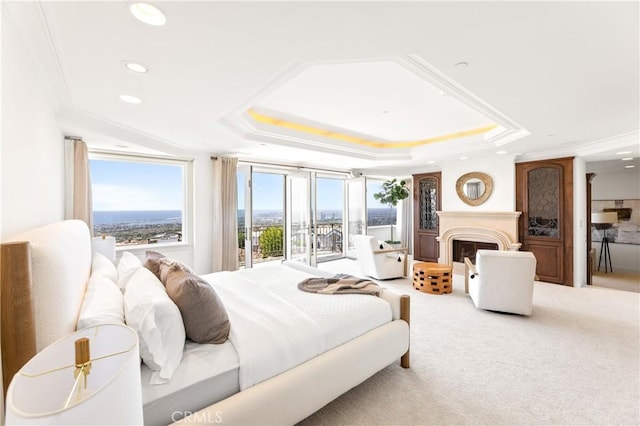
499 228
462 249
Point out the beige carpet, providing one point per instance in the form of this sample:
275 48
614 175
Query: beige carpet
575 361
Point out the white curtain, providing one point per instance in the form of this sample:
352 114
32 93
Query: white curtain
225 209
405 224
78 204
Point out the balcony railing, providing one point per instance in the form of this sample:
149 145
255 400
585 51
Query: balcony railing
267 241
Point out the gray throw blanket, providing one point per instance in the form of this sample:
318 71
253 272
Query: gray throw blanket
340 284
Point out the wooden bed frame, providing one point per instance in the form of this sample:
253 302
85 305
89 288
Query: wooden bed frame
284 399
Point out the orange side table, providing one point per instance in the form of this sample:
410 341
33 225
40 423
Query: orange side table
432 278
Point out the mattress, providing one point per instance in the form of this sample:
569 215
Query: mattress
206 374
210 373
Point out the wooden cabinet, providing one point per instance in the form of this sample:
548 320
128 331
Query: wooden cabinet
544 195
427 200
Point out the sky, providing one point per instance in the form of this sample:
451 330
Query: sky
268 192
123 185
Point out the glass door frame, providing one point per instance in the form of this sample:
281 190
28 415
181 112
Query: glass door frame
360 215
248 213
311 176
319 225
308 216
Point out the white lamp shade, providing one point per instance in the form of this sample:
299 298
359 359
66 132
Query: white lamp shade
104 245
113 395
604 217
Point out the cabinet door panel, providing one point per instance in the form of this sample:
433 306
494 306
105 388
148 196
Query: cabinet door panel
426 202
544 195
548 268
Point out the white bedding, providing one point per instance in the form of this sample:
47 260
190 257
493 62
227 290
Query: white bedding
275 326
259 332
269 334
340 317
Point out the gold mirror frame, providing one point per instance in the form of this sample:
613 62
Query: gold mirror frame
484 178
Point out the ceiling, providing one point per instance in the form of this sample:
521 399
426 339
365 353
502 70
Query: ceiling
382 86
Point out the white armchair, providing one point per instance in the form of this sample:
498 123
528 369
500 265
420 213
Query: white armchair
501 280
380 263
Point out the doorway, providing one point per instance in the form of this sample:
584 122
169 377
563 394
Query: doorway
293 214
544 195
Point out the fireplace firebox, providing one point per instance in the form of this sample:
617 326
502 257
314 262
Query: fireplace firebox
462 249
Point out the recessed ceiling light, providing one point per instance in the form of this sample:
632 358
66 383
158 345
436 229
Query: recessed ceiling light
148 13
136 67
629 167
461 64
463 158
627 158
501 152
623 152
431 162
130 99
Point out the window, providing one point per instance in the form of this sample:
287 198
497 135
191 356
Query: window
139 201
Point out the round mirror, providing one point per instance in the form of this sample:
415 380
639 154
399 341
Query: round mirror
474 188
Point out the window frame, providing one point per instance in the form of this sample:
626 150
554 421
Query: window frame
187 195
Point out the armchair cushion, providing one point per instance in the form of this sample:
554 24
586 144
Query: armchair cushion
504 281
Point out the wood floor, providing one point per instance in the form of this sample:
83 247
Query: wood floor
626 282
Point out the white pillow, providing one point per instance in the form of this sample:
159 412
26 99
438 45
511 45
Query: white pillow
103 303
127 266
157 320
100 264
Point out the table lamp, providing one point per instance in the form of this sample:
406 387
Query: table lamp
89 377
604 221
104 245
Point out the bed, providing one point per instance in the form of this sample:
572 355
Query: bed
44 275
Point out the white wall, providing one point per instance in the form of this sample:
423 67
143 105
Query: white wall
203 208
579 223
382 233
502 170
32 154
625 258
32 159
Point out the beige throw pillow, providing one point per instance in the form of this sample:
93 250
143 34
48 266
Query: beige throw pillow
152 262
204 316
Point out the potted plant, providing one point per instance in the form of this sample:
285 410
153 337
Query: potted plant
392 192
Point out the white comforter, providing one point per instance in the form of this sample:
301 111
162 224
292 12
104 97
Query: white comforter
275 326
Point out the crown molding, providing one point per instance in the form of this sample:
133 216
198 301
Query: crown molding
593 147
242 124
82 120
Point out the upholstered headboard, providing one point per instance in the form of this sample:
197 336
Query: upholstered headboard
43 281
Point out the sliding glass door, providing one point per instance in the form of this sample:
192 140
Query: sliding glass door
329 217
293 214
299 218
261 216
357 211
245 224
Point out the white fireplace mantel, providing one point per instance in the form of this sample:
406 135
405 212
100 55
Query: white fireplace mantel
496 227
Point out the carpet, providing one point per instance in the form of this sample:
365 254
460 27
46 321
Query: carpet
574 361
